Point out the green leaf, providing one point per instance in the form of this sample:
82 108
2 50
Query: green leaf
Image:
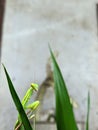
65 119
17 102
88 112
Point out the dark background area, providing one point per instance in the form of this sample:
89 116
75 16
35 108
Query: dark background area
2 8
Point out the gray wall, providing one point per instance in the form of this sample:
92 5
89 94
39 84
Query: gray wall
71 29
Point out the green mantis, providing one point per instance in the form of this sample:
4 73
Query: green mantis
30 107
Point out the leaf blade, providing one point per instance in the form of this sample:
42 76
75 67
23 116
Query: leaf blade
17 102
88 112
64 113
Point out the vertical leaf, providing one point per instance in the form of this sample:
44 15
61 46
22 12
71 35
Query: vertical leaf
17 102
88 111
65 119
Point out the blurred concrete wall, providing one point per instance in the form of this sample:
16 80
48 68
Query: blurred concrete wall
71 29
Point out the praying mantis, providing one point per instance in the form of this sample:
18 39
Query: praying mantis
30 107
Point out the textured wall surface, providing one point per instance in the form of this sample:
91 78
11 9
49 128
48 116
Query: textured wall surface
70 28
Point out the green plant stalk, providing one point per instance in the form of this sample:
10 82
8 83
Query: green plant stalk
88 112
17 102
65 119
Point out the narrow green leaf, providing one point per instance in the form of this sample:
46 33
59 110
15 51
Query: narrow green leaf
17 102
88 112
65 119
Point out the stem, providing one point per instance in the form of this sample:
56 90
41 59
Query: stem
18 126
